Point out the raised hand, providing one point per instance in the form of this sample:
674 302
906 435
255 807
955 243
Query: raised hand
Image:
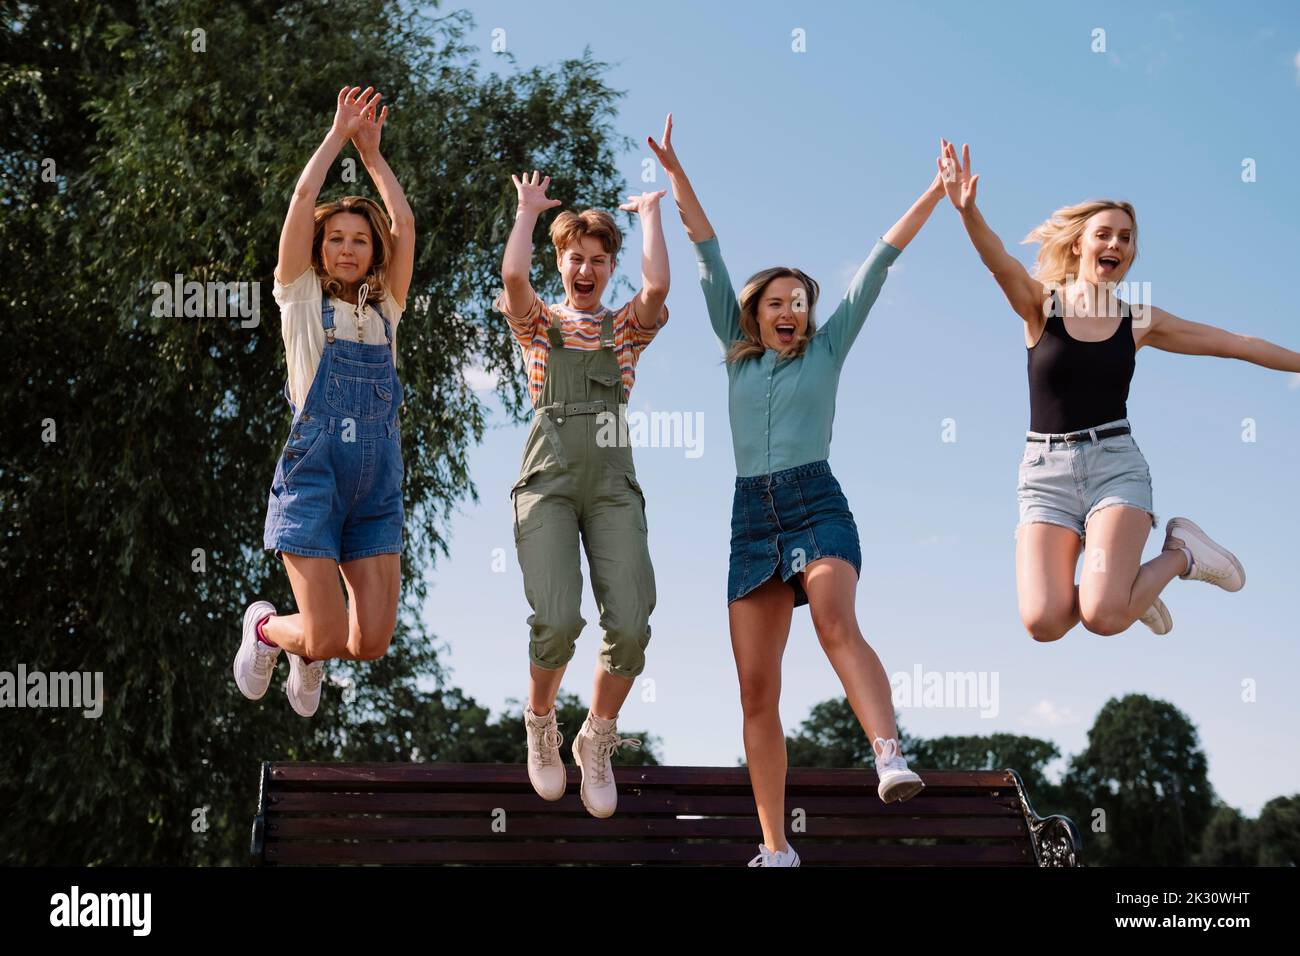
958 183
352 104
666 154
532 193
366 137
644 202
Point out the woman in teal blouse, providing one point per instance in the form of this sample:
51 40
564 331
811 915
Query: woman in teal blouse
794 540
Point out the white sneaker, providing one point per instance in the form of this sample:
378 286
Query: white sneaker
1211 562
545 765
896 781
255 661
1158 618
303 685
592 747
766 857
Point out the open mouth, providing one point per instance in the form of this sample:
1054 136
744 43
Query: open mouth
583 287
1107 264
785 332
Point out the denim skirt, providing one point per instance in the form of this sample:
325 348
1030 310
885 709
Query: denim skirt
782 522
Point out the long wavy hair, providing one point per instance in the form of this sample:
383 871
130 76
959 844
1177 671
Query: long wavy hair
381 244
750 344
1056 263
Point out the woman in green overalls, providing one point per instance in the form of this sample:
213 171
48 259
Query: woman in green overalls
577 477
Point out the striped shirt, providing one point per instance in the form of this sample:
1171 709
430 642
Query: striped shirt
579 330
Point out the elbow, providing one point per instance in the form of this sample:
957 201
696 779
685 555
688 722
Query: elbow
404 221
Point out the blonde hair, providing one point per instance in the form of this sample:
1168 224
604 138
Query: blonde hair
381 239
1056 262
570 228
750 345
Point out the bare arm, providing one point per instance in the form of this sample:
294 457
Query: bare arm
648 306
1172 334
295 235
905 230
518 258
697 224
366 140
1023 291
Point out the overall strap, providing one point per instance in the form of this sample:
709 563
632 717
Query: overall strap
607 331
327 316
553 330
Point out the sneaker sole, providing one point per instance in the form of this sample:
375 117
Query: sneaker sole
1207 541
1166 619
246 646
905 790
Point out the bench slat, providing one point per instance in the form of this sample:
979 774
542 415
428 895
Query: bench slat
855 854
867 804
372 828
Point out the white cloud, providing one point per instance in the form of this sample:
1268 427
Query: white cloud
1047 714
1294 381
1297 68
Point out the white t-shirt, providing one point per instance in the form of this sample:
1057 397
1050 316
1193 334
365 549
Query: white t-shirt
304 336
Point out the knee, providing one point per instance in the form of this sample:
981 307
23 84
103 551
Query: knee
1105 619
369 644
759 696
559 626
835 631
1046 624
325 638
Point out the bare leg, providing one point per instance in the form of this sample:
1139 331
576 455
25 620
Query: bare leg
543 687
1046 555
608 691
320 628
374 585
760 627
1115 589
832 586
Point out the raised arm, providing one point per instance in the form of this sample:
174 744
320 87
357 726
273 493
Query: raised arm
518 258
719 296
1172 334
648 305
295 236
688 204
366 140
1023 291
842 328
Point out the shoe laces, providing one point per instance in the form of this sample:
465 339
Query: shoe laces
606 744
764 857
888 757
311 676
263 658
546 743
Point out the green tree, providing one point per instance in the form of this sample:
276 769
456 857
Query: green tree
1230 839
1028 756
1279 832
1144 767
141 139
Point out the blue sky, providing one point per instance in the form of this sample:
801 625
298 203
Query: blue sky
805 159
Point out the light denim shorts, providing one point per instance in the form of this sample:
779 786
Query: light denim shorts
1065 483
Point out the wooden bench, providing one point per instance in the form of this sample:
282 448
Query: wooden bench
322 813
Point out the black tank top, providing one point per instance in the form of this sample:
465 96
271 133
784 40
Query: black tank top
1075 385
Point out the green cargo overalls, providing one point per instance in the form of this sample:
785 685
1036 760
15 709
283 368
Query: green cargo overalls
569 485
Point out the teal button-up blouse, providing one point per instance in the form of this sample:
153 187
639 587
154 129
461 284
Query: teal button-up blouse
782 412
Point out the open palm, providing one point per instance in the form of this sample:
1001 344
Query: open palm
958 183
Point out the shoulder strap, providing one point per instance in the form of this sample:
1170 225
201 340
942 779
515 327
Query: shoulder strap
327 315
607 330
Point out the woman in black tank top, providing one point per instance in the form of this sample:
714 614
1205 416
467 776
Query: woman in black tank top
1083 478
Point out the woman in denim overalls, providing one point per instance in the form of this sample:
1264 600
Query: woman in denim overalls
335 503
